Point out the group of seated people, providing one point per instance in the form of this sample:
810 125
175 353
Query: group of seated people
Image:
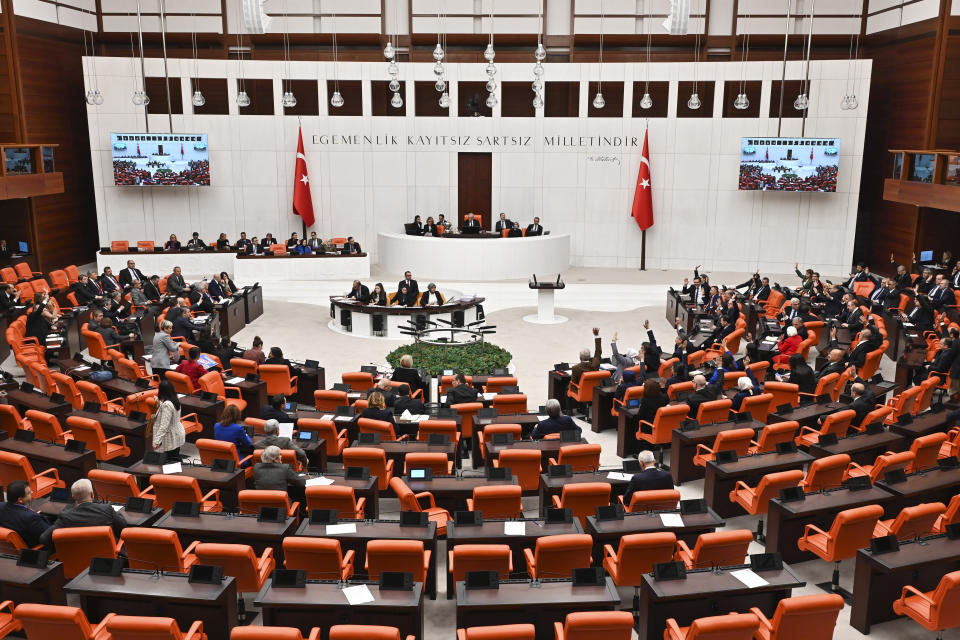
407 294
260 246
472 224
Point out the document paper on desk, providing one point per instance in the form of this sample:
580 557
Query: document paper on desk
749 578
236 380
285 430
173 467
322 481
515 528
359 594
671 519
337 529
619 475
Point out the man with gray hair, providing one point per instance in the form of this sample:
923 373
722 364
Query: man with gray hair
586 362
386 388
270 474
648 479
273 439
703 392
85 513
200 299
555 422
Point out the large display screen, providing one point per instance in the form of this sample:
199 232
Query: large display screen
160 159
789 164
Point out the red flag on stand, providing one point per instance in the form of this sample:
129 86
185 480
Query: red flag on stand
302 202
181 149
643 196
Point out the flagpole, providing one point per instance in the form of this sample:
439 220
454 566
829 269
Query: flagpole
303 223
643 250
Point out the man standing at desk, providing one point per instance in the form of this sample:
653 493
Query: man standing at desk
648 479
17 516
85 513
413 289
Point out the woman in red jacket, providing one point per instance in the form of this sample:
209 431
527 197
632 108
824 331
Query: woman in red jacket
788 345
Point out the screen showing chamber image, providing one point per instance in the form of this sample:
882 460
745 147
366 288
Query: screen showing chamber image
789 164
160 159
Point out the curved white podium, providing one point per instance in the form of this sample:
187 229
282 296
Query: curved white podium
473 258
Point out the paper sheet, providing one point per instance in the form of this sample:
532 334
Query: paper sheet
322 481
749 578
515 528
343 419
236 380
541 418
358 594
117 507
335 529
327 416
619 475
489 396
671 519
173 467
285 430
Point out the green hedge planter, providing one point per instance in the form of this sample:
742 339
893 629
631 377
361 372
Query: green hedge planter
469 359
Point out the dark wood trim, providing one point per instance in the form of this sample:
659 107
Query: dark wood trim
12 53
936 86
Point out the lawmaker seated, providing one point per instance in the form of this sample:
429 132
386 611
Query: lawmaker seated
555 422
471 224
515 231
431 297
430 228
378 296
535 229
404 298
504 223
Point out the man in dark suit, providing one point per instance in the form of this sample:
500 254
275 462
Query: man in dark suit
880 294
151 288
586 362
702 392
942 295
722 331
131 273
416 227
406 373
85 513
182 326
858 356
243 244
267 241
649 479
471 224
274 410
534 229
352 246
17 516
203 303
316 243
555 422
406 402
412 287
272 438
254 248
834 363
196 243
176 284
10 297
5 251
902 281
271 474
503 223
515 231
87 291
762 292
459 392
852 317
360 292
108 281
293 241
431 296
862 403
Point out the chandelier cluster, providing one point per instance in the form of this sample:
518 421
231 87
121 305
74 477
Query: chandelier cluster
438 69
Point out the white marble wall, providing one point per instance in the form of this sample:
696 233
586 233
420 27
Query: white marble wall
701 217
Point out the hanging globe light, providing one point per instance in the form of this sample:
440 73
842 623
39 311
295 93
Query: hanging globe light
852 102
694 102
393 68
646 102
394 85
537 85
491 69
598 101
396 101
489 54
492 100
742 102
444 100
140 98
336 100
537 101
198 100
89 99
540 53
438 53
97 97
491 85
389 52
243 100
289 100
440 86
538 69
801 103
438 69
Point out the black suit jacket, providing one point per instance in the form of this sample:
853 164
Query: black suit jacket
86 514
647 480
109 283
126 277
831 367
352 247
410 376
24 520
413 287
858 356
471 224
649 406
862 406
86 293
196 242
553 425
428 298
360 296
534 229
151 290
205 304
406 403
430 230
504 224
460 394
708 393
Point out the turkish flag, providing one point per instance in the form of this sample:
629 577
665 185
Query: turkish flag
643 196
302 202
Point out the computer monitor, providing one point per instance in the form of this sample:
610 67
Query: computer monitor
925 256
24 247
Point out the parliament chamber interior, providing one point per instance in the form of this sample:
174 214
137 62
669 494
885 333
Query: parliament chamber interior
480 320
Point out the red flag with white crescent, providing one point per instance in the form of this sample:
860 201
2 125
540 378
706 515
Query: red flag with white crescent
643 196
302 201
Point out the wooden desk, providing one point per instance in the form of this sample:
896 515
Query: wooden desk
922 425
141 593
134 433
705 593
519 603
42 455
806 415
397 451
862 448
683 447
232 317
601 416
451 493
252 303
368 530
878 580
550 487
786 521
627 426
23 584
547 448
309 380
253 393
721 479
492 532
932 485
368 489
557 384
229 484
610 531
322 604
230 529
527 422
25 401
50 509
